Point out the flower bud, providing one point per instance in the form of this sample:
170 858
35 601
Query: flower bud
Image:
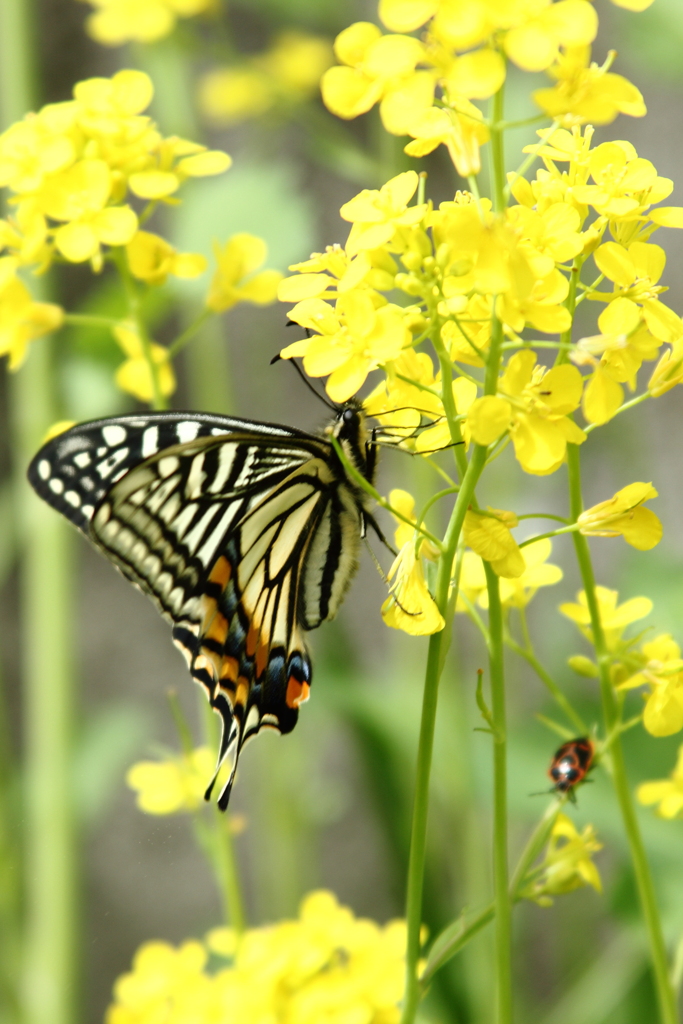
409 283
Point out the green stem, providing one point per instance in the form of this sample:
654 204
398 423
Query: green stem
498 152
641 868
181 341
549 683
135 313
622 408
435 658
49 940
85 320
226 867
500 848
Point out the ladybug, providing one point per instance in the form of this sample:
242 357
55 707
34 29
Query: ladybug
571 764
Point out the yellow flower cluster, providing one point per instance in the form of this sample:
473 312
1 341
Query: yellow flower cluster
142 21
462 51
325 967
567 864
71 168
285 75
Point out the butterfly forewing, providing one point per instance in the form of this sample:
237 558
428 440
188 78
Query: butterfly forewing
244 534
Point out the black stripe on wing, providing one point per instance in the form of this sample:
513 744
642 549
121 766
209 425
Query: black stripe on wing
73 471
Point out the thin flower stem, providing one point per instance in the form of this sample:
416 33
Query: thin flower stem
158 400
435 657
226 869
181 341
622 408
85 320
548 682
641 868
366 486
498 152
47 982
500 844
572 528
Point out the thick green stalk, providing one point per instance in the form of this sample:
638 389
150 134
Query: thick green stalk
437 642
48 954
641 868
500 844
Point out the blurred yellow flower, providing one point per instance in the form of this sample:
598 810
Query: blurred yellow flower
623 515
135 374
22 320
662 671
614 618
410 606
236 279
567 864
534 44
173 785
517 593
151 259
669 370
142 21
325 966
668 793
489 536
289 72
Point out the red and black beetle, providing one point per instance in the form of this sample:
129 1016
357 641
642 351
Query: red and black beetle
571 764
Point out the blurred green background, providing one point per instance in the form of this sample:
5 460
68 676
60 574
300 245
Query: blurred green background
330 804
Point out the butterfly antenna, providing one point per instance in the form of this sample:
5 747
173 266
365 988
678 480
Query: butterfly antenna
306 381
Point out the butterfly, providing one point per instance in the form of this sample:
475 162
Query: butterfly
244 534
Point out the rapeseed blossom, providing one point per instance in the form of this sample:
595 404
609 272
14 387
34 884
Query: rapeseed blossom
114 22
324 966
662 671
613 616
286 74
238 278
134 375
22 320
624 516
567 864
668 793
174 784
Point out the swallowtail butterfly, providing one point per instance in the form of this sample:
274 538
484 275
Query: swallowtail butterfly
245 535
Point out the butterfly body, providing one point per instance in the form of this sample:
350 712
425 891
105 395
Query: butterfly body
244 534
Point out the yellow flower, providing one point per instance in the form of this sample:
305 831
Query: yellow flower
399 404
535 44
586 92
662 671
232 95
173 785
377 69
80 196
22 320
567 864
459 128
152 259
623 515
143 21
296 62
669 370
134 375
410 606
472 582
353 339
540 401
377 213
614 618
324 966
489 536
404 503
517 593
668 793
236 279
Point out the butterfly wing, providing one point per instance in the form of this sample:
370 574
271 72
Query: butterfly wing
243 541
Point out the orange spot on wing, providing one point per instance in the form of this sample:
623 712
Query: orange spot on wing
218 630
221 571
297 692
242 691
252 640
261 659
229 669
